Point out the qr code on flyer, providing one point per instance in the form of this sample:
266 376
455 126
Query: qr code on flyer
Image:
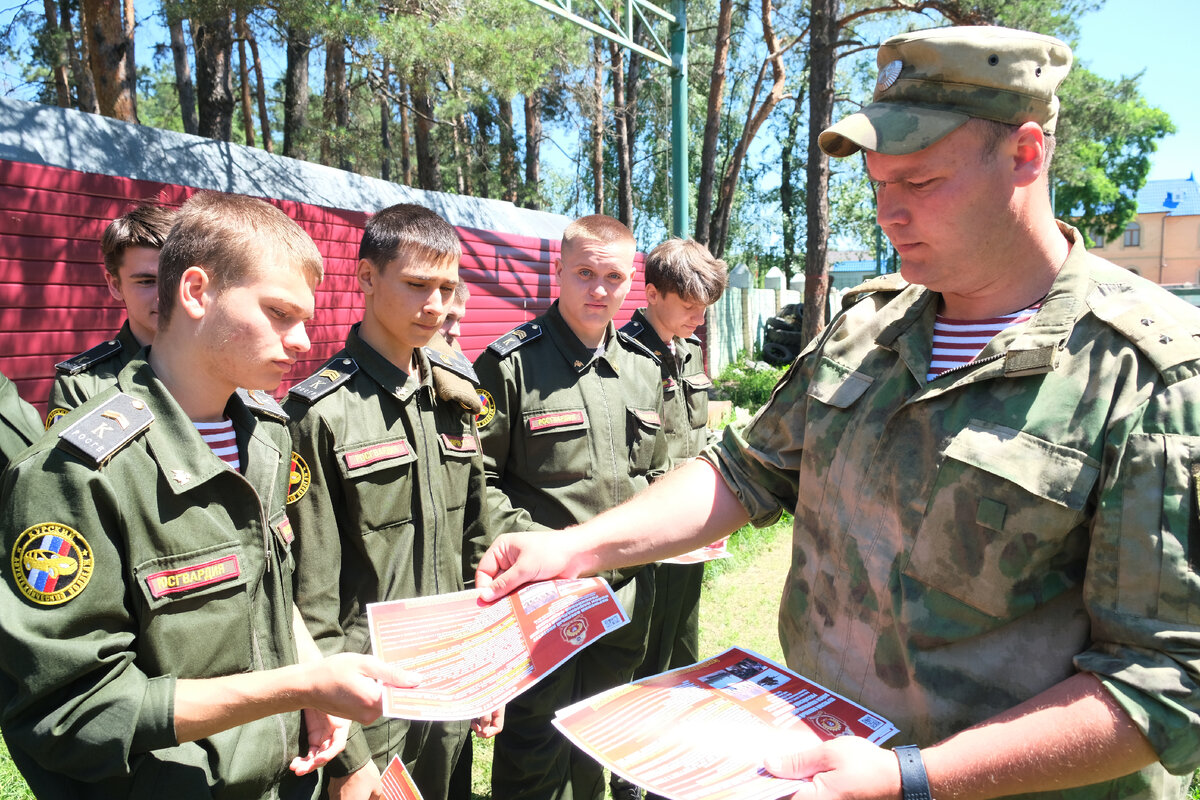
611 622
874 723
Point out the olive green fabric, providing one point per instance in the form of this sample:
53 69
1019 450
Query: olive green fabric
932 81
71 391
395 525
567 434
963 544
190 578
20 425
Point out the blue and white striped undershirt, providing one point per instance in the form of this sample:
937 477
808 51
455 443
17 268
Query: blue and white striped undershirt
957 342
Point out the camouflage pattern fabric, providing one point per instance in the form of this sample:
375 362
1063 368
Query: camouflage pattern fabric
963 544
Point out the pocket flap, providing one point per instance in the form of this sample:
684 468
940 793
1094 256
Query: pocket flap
458 446
698 381
646 417
1051 471
567 419
836 385
364 458
200 572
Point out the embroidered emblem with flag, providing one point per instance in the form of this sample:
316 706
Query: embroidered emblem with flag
51 563
299 478
489 409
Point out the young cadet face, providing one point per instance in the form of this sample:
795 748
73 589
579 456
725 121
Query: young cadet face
254 331
136 285
593 279
405 304
671 315
451 326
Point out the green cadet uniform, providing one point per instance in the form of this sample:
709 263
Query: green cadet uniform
81 378
20 425
674 639
388 500
963 544
137 557
567 433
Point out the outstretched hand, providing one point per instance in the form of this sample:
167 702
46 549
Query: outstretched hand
326 738
846 767
350 685
516 559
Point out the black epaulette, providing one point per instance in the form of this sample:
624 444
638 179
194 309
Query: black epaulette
76 365
452 360
694 339
329 377
518 336
633 328
892 282
260 402
637 346
107 428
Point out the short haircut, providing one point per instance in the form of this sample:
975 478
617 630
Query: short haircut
994 133
597 228
687 268
406 229
462 292
227 236
145 225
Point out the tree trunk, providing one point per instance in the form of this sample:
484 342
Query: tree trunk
85 86
183 74
509 179
483 146
405 154
712 123
822 66
214 76
385 125
295 92
754 120
597 130
533 149
624 157
264 120
110 48
336 106
244 79
787 190
427 155
461 137
62 89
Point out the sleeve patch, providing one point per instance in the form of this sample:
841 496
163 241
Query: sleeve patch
299 478
51 563
488 413
55 415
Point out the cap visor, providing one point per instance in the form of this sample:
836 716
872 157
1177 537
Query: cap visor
894 129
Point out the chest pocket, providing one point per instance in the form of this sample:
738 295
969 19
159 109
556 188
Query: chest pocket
1003 528
458 450
643 426
378 477
190 600
695 388
556 445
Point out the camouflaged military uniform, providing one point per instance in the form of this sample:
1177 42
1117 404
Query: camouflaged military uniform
19 423
137 557
388 500
674 638
566 434
963 544
84 376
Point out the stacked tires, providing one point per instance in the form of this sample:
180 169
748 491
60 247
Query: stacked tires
782 336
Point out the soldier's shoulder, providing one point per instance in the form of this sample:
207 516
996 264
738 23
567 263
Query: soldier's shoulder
442 356
334 374
635 345
100 429
883 284
262 404
517 338
89 358
1164 328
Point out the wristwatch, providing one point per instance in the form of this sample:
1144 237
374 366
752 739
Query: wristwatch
914 783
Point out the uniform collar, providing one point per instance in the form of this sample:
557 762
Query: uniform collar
129 343
574 351
390 377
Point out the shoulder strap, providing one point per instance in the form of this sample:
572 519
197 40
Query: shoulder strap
77 364
518 336
329 377
103 431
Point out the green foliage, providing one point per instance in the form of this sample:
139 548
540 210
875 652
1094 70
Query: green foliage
747 384
745 546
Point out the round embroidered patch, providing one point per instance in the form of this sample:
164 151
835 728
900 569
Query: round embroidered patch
888 75
51 563
488 413
54 416
299 480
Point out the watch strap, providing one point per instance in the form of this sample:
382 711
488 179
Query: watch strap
914 783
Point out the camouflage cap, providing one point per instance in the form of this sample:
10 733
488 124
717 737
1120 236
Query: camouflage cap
932 81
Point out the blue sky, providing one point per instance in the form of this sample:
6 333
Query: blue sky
1159 36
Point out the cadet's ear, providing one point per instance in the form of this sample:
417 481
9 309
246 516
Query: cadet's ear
366 276
1028 145
191 294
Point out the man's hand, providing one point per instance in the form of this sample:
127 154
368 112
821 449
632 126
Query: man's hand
362 784
351 685
516 559
489 725
326 738
846 767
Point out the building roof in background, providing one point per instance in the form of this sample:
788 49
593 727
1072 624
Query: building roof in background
40 134
859 265
1175 197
